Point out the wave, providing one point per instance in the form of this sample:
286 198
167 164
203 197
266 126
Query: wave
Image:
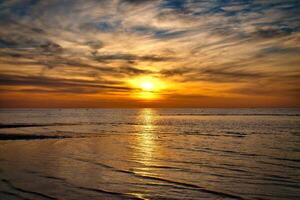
96 190
11 194
2 126
38 194
188 185
17 125
4 136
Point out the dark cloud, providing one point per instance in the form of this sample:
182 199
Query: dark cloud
133 71
32 42
159 33
213 74
268 33
84 69
96 44
178 5
277 50
49 83
137 1
266 90
177 71
19 41
75 90
230 75
42 57
131 57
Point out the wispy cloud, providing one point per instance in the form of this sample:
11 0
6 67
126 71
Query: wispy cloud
91 46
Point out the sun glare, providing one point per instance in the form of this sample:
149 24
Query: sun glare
147 86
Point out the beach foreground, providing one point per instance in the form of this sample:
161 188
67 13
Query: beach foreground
150 154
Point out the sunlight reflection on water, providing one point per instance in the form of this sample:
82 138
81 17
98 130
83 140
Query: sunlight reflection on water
146 145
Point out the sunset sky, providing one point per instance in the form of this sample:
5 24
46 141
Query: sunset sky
149 53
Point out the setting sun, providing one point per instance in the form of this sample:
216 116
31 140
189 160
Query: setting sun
147 86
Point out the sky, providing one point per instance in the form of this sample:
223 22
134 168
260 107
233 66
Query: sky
149 53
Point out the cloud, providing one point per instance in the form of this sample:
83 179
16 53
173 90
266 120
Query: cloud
182 42
16 40
96 44
131 57
157 33
177 71
268 33
134 71
216 75
277 50
59 84
254 90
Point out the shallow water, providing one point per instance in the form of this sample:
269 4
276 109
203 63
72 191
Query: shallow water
150 154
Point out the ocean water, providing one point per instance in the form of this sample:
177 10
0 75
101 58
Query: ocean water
150 154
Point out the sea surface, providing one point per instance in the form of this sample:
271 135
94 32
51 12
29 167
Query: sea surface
149 154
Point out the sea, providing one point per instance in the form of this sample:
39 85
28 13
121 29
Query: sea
150 154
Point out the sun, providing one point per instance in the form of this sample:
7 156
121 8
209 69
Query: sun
147 86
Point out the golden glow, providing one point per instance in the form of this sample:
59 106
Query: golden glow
147 87
147 95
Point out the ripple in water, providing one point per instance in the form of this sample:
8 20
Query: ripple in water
150 154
